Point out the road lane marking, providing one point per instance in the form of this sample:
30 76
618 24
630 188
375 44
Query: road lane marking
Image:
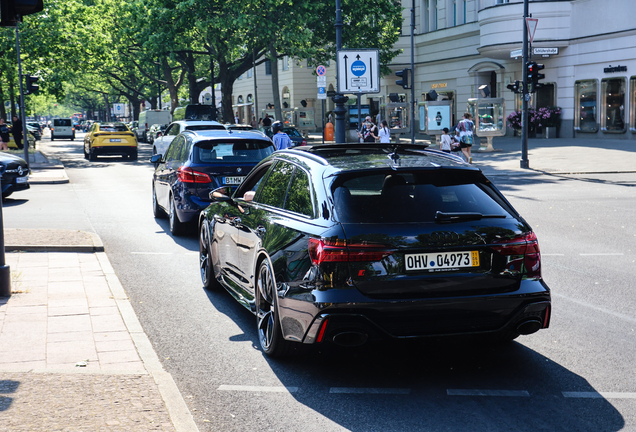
260 389
362 390
477 392
596 308
600 395
601 254
545 254
151 253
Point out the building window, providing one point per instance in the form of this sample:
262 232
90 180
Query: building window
285 63
585 106
250 73
464 11
424 25
434 15
268 67
613 105
454 13
632 104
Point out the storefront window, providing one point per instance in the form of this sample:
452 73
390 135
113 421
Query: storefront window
585 106
632 104
613 104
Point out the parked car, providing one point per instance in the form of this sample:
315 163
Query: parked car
294 134
111 139
156 130
175 128
35 132
62 128
198 162
243 127
350 243
14 174
149 117
36 125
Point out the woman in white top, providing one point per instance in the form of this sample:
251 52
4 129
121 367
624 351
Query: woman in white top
385 133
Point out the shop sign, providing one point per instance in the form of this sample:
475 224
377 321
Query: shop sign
439 85
612 69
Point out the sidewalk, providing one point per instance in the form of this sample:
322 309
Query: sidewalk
547 156
73 355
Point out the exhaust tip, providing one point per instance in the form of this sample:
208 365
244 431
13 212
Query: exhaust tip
529 327
350 339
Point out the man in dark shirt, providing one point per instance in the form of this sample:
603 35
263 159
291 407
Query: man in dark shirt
267 122
16 130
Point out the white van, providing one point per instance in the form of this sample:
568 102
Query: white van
62 128
148 118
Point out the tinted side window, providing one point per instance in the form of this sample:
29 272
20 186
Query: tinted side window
185 150
299 195
174 151
274 189
174 130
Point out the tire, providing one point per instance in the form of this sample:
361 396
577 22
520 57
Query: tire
176 226
133 155
85 154
145 138
205 260
270 336
6 194
157 211
91 155
52 137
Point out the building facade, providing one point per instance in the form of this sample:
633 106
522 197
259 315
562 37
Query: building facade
588 48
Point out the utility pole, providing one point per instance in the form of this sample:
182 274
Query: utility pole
339 99
413 101
525 94
25 136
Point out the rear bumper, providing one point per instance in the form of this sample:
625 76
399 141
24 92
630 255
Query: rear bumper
402 319
114 150
189 207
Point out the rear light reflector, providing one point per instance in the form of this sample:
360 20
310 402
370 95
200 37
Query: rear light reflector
523 255
339 251
188 175
323 327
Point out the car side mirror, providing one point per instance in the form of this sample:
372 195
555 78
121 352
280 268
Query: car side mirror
221 194
156 159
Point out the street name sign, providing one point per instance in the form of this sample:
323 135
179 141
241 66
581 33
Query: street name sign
545 51
358 71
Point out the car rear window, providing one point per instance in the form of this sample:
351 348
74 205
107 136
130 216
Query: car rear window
62 122
205 127
113 128
232 151
413 197
292 132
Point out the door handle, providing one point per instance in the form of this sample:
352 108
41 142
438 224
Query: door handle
260 231
236 221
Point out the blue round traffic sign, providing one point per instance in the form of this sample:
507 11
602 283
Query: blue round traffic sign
358 68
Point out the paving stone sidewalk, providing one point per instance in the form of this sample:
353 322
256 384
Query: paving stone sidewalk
73 356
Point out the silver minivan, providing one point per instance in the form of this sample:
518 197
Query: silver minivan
62 128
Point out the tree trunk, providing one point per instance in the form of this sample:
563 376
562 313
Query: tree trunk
227 82
274 59
212 85
172 86
12 99
3 111
192 79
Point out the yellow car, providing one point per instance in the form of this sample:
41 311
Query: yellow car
110 138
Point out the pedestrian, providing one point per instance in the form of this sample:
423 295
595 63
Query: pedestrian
377 118
237 119
254 124
330 118
466 139
368 133
16 130
267 121
385 133
4 135
280 138
445 142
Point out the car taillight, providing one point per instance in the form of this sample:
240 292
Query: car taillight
523 255
321 251
188 175
304 142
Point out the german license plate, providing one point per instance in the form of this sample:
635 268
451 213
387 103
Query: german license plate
22 179
232 180
115 140
441 261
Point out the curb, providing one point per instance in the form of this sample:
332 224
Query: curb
96 246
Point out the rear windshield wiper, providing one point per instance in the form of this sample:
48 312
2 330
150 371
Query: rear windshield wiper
461 216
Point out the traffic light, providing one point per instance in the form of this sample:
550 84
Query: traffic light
534 76
12 11
515 87
404 82
31 86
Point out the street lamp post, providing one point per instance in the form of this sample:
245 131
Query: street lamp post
525 94
339 99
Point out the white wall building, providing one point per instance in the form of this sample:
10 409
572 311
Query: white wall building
463 44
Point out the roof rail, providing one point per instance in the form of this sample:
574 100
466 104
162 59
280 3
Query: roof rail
305 152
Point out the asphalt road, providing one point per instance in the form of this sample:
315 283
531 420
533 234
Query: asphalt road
578 375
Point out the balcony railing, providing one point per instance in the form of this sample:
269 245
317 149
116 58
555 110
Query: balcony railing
483 4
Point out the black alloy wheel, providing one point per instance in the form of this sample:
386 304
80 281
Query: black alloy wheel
270 335
156 210
176 226
205 260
